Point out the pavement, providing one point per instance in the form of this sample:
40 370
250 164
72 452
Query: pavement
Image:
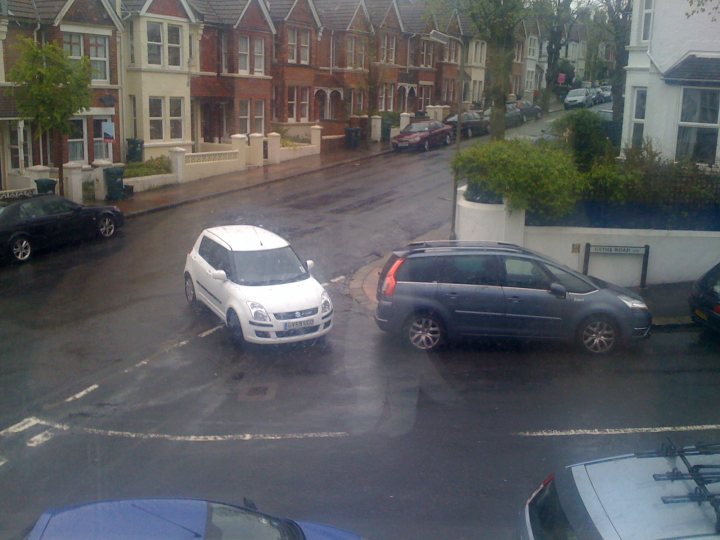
667 302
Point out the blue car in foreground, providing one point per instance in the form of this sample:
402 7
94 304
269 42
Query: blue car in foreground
168 519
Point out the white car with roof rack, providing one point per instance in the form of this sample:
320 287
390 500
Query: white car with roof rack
254 281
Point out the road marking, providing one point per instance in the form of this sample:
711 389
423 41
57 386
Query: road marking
3 461
617 431
83 393
20 426
40 438
211 331
186 438
337 279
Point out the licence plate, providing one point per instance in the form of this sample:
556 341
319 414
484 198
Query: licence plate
700 314
402 144
299 324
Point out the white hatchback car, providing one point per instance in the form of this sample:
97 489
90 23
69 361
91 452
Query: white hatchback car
253 280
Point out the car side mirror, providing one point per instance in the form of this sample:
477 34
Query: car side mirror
220 275
558 290
310 264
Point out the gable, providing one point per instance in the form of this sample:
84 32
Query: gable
88 12
454 26
170 8
253 18
360 22
302 12
392 21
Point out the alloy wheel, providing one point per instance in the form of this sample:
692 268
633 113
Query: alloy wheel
598 336
424 332
21 249
106 226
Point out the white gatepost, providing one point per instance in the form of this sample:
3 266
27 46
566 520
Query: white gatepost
404 120
316 136
239 143
375 128
36 172
430 110
98 176
177 163
274 145
72 181
255 154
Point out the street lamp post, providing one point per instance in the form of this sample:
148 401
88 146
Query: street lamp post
458 133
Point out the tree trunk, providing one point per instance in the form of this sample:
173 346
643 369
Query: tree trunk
57 149
500 68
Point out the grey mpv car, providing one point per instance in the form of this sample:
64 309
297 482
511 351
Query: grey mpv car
434 292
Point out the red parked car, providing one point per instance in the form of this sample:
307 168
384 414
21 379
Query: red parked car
423 135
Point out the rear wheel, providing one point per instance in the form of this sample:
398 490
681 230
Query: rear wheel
447 140
233 325
469 132
425 331
190 292
21 249
426 145
598 335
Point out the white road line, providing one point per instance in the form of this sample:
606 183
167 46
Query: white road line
199 438
41 438
83 393
3 461
20 426
617 431
337 279
211 331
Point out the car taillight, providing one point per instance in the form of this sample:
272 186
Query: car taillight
390 281
716 309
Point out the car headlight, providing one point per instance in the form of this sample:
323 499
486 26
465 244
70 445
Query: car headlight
632 303
325 303
257 312
415 139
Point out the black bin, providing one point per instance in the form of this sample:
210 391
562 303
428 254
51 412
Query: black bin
385 128
114 183
135 149
352 138
45 185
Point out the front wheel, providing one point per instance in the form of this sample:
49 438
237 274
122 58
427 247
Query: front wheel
190 292
106 226
426 146
598 335
425 332
233 325
447 140
469 133
21 249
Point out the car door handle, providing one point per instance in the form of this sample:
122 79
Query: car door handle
514 299
452 295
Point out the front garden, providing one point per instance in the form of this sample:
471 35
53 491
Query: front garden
578 180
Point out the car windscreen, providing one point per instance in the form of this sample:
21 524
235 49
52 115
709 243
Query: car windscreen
230 522
268 267
415 128
576 92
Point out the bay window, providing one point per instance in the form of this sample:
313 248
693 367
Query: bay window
699 123
154 43
259 118
155 115
243 54
176 117
259 56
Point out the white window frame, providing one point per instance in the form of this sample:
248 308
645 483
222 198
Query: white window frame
23 152
519 46
156 45
381 97
638 122
156 120
360 52
292 103
532 47
259 56
350 52
244 116
391 49
259 119
699 125
98 141
360 101
176 120
383 48
96 42
646 21
175 46
82 141
304 44
224 52
244 54
293 45
71 40
304 104
391 97
131 41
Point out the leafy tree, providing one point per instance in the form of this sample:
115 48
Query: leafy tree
557 18
618 14
704 6
49 90
596 68
583 131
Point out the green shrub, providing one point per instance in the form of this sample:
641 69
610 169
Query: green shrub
158 165
583 131
392 117
539 178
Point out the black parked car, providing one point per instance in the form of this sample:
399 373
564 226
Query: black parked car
705 299
529 110
434 292
46 221
472 123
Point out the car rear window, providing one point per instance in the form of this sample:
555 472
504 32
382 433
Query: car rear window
547 518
